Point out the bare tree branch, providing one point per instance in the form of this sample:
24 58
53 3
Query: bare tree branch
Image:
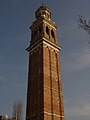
84 24
17 110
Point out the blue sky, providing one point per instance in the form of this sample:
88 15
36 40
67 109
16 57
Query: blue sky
15 18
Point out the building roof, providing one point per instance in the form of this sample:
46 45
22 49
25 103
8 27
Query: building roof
43 7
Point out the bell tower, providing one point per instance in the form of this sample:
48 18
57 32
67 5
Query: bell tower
44 90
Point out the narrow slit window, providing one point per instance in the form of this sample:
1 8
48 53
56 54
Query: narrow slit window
52 33
47 30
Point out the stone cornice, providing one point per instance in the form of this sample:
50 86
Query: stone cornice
43 42
43 20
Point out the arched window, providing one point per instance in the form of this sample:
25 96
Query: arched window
52 33
40 30
32 34
48 15
35 33
47 30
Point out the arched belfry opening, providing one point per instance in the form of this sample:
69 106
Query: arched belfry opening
47 30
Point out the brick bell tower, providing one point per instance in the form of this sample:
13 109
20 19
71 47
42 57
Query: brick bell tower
44 92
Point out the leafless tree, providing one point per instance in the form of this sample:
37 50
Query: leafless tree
17 110
84 24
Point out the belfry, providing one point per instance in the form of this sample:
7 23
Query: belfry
44 90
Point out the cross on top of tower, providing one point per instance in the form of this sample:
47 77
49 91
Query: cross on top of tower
42 2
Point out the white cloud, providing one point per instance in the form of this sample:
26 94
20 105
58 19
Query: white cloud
80 107
78 61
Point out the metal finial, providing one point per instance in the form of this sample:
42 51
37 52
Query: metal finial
42 2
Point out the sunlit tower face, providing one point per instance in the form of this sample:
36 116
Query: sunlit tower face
44 91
